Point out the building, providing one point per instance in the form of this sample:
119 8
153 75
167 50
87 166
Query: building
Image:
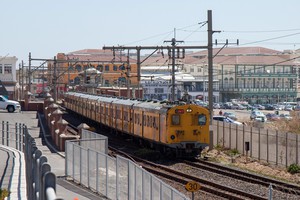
254 74
156 80
116 68
8 75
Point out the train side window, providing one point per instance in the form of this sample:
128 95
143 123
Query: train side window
151 120
148 121
202 119
175 119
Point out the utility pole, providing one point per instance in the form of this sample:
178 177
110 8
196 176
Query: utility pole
54 79
173 43
29 73
22 91
210 64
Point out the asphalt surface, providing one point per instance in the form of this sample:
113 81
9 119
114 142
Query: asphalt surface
12 170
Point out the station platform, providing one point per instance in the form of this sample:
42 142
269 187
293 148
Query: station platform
12 166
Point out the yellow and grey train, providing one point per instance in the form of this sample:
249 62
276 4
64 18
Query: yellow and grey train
181 128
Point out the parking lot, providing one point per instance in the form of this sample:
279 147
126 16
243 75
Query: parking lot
244 115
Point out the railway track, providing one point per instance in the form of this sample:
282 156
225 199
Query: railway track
246 176
183 178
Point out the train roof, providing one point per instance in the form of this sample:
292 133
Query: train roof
158 106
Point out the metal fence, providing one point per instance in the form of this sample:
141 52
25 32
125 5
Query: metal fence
280 148
116 178
40 181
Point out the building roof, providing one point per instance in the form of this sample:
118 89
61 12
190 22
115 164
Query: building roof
99 55
243 56
239 51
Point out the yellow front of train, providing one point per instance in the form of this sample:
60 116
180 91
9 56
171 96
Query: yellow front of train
188 128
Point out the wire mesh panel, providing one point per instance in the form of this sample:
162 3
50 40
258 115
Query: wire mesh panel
122 178
111 178
84 166
131 181
155 184
69 158
92 169
101 173
76 162
291 148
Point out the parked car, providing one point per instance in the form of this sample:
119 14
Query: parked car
272 117
231 115
258 115
9 105
226 119
288 108
216 106
238 107
269 107
297 108
285 116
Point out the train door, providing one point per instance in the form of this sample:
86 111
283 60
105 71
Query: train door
131 119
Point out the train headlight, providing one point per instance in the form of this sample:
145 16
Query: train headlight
189 110
172 137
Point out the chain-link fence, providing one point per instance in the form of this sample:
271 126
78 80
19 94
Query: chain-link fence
280 148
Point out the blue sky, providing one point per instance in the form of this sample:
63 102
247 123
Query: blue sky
47 27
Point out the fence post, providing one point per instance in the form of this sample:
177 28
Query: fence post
267 145
117 178
276 147
45 168
17 138
36 155
2 132
243 140
236 137
259 144
21 139
229 135
7 134
286 148
88 167
50 185
270 192
297 149
40 163
251 134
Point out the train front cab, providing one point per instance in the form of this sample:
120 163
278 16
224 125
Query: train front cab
188 128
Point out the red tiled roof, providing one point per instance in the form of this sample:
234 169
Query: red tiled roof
99 55
240 51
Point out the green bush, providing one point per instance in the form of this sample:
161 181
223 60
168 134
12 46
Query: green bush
294 168
4 193
232 152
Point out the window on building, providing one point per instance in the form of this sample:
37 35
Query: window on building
106 67
99 68
0 68
158 90
226 82
115 67
192 69
121 67
76 80
78 68
231 83
7 68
